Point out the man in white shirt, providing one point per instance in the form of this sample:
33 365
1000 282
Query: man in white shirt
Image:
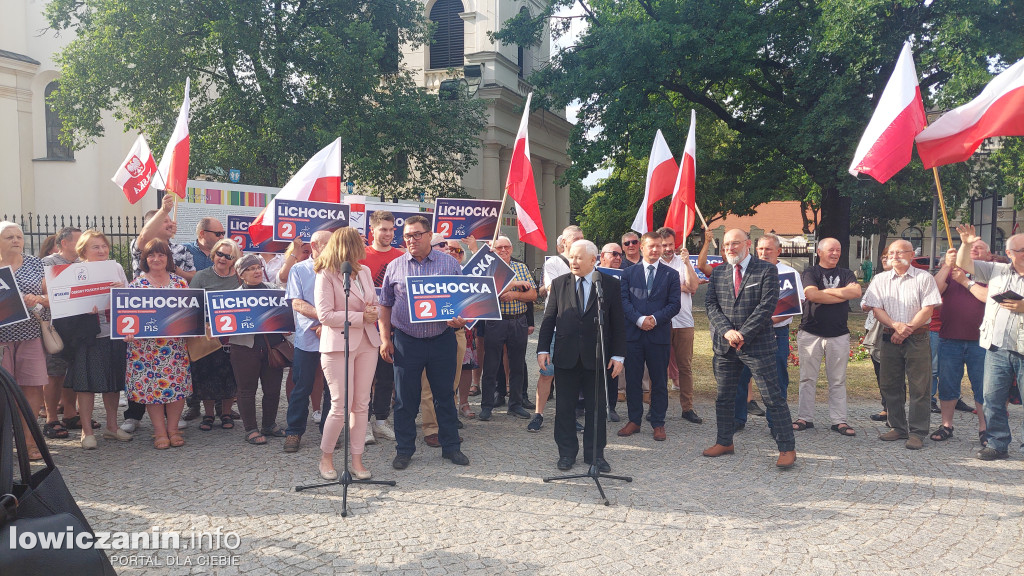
682 323
902 299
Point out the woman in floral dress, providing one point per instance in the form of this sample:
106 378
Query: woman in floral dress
159 374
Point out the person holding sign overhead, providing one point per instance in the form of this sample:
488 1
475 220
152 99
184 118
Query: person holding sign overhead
159 374
413 347
346 247
824 333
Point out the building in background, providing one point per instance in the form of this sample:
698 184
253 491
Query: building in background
42 176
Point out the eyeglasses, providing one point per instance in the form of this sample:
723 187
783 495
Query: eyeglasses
899 251
630 242
223 255
218 234
1021 251
256 268
415 235
502 247
614 254
455 250
439 245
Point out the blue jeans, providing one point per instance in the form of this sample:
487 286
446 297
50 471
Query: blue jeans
304 368
412 357
1002 367
953 356
781 365
934 342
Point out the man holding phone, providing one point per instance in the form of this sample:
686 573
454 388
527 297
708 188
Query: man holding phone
1001 334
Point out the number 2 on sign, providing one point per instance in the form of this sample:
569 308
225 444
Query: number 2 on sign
286 230
226 323
426 309
445 228
240 240
128 325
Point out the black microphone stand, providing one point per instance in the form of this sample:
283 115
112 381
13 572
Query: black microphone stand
600 388
346 479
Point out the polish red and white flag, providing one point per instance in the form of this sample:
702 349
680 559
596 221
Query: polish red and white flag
319 180
683 209
173 168
997 111
135 173
888 142
661 178
521 188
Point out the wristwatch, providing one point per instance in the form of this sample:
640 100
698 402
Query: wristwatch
970 284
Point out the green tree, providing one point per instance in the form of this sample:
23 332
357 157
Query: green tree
272 83
795 80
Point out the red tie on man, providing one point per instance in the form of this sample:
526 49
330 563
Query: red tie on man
737 280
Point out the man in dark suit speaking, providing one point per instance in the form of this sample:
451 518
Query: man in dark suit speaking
650 298
740 302
569 319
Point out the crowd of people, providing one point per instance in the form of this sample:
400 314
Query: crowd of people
642 288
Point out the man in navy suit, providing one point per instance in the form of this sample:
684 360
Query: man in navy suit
650 298
740 302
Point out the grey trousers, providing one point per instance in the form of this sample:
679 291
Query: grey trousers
836 352
907 367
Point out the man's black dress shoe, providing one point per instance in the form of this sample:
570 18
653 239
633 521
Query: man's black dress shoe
692 417
456 457
602 466
401 462
565 463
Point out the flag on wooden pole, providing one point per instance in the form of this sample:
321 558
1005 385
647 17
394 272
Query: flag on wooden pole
173 166
661 176
521 188
135 173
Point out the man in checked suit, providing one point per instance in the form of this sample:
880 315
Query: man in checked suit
575 351
740 302
650 298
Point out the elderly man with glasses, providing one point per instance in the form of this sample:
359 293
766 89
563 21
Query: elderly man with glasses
208 231
902 299
611 256
509 333
631 249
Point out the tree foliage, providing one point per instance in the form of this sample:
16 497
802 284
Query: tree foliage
794 81
272 83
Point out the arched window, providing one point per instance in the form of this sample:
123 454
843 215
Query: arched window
914 236
1000 244
446 46
54 148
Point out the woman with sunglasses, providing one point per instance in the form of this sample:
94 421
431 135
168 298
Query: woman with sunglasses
212 376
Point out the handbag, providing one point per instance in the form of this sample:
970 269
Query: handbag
873 336
281 355
202 346
52 342
39 503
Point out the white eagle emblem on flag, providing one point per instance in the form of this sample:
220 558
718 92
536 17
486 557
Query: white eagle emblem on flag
135 167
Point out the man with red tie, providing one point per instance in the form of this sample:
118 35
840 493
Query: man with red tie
741 299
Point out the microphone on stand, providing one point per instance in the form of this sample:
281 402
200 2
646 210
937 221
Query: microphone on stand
598 289
346 273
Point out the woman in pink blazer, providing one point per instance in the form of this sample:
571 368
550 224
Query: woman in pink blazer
346 245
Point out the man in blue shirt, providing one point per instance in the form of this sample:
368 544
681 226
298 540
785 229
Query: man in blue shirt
208 231
306 363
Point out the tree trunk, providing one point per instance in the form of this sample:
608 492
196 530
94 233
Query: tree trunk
835 221
883 239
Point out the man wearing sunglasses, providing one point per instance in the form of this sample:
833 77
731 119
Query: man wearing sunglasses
208 231
631 249
611 256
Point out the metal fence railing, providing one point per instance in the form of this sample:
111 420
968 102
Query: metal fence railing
121 230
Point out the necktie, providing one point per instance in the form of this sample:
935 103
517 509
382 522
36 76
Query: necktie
650 278
738 279
579 294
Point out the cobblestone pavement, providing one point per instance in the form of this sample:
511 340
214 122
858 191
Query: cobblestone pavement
850 506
